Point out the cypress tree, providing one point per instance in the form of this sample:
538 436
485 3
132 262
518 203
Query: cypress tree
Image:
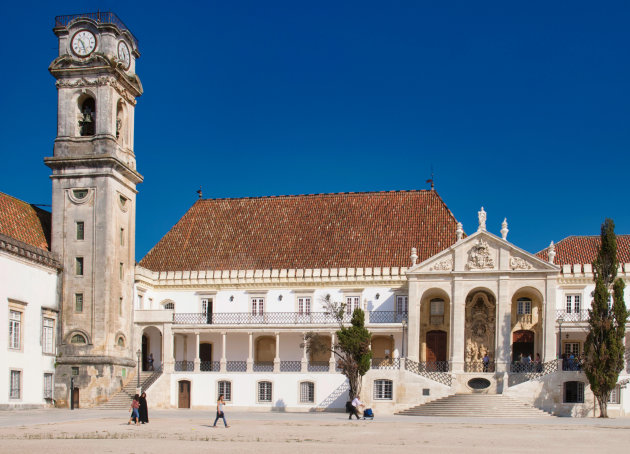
604 347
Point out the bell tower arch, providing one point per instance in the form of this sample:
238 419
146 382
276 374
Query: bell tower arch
94 180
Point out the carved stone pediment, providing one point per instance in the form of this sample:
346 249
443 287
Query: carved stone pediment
480 256
442 265
518 263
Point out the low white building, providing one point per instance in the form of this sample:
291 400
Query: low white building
30 309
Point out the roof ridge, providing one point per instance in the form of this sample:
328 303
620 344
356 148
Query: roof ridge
320 194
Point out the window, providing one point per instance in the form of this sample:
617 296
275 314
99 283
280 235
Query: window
437 311
206 304
48 335
80 193
573 304
574 392
78 339
78 266
304 306
75 371
15 392
80 230
383 389
524 306
615 396
258 306
307 392
122 236
48 386
572 348
120 306
169 305
264 391
87 117
352 303
225 388
78 302
140 302
121 271
402 304
120 342
15 327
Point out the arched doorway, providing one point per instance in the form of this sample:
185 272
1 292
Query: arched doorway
522 344
479 335
435 315
151 347
183 398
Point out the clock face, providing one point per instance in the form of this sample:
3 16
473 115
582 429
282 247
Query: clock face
123 55
83 43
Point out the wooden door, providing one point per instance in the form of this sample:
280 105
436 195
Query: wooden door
205 352
75 397
184 394
436 346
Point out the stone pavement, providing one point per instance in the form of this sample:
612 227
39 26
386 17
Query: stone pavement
66 431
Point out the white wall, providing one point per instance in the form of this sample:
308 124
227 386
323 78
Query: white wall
35 285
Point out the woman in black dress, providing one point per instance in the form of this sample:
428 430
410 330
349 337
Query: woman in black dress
144 409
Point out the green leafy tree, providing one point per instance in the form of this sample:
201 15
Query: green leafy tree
352 345
604 347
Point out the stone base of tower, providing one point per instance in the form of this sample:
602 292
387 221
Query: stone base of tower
95 379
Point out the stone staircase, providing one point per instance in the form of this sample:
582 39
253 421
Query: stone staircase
122 399
476 405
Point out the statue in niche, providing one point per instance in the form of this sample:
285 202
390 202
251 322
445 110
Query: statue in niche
479 329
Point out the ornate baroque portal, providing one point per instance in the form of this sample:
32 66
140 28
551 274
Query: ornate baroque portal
479 330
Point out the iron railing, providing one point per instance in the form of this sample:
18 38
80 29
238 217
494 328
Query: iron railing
576 316
386 363
479 366
279 318
290 366
184 366
263 366
319 366
151 378
236 366
535 369
209 366
434 370
572 364
100 17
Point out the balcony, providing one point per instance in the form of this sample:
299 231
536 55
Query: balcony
574 317
280 318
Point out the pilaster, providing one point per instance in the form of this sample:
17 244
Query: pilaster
458 325
503 326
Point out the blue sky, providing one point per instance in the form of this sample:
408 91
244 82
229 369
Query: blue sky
522 107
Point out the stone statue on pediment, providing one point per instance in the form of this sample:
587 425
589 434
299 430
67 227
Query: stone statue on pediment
482 219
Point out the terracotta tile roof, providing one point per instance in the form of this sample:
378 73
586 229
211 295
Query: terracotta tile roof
373 229
24 222
583 249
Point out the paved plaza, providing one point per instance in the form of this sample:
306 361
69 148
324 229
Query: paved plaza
190 431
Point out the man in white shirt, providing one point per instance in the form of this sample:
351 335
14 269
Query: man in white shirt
354 407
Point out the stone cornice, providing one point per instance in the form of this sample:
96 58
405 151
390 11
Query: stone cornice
30 253
252 279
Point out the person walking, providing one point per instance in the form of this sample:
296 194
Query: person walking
354 407
143 411
150 361
135 404
220 411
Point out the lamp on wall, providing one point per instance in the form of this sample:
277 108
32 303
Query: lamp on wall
560 321
139 353
231 298
378 295
279 297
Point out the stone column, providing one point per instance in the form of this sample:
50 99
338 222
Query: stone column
168 350
550 342
332 363
223 363
250 356
458 325
276 359
502 350
304 365
413 324
197 361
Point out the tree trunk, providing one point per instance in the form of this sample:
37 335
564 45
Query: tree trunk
603 407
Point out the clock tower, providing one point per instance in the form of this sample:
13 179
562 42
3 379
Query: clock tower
94 180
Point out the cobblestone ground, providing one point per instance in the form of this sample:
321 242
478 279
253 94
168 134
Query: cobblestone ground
92 431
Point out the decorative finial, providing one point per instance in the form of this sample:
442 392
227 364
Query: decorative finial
551 252
199 192
414 256
460 231
504 229
482 220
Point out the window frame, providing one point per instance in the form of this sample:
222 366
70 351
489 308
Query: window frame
524 306
76 302
383 389
573 303
352 302
257 305
51 330
310 391
80 230
304 305
259 391
402 304
76 334
615 396
15 341
18 373
227 395
579 392
79 266
48 377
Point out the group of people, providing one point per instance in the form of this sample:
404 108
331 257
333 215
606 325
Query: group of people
139 410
